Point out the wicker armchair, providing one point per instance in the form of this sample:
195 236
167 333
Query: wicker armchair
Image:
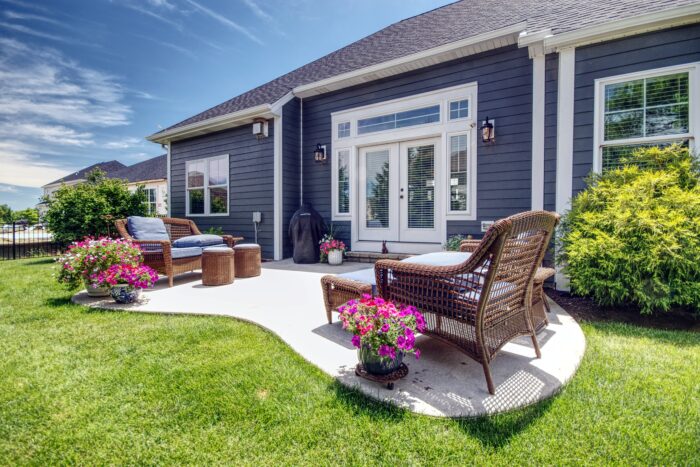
480 305
158 253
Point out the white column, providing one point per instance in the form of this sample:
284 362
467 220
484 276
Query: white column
277 176
538 80
169 200
565 139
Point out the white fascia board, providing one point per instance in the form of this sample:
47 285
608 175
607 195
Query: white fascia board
400 64
276 108
673 17
213 124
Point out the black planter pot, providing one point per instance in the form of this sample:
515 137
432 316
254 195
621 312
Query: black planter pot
377 365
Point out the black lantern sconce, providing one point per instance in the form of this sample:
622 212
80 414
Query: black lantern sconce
488 131
320 156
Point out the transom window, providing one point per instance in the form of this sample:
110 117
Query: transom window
207 186
399 120
343 130
459 109
651 110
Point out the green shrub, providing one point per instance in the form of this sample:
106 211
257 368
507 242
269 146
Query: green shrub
633 236
90 208
453 242
215 230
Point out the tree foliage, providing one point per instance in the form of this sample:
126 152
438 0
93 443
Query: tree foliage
633 236
90 208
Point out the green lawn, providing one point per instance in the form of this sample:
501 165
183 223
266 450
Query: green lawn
79 386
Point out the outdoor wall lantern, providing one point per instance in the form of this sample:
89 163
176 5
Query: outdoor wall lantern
320 154
488 132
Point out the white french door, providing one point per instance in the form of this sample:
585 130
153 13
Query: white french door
399 193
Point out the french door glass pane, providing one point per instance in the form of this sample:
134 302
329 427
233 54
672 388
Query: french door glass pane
196 201
344 181
458 173
377 189
218 198
421 187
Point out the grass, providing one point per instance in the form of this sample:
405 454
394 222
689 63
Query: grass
88 387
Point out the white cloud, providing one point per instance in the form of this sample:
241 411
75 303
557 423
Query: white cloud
32 32
259 12
125 143
7 189
225 21
48 105
30 16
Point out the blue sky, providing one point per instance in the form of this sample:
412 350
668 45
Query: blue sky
85 81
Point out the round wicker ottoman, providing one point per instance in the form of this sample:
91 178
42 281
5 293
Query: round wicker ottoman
247 260
217 266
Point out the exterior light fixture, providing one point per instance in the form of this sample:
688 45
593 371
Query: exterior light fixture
320 154
488 132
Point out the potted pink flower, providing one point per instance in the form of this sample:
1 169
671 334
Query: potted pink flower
126 281
332 249
382 332
87 258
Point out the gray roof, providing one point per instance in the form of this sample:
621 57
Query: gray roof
151 169
108 167
451 23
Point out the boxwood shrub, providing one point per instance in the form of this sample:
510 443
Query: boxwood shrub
633 236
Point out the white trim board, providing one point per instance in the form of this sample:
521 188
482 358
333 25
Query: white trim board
278 187
693 70
538 115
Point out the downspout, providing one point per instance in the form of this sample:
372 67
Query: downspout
301 151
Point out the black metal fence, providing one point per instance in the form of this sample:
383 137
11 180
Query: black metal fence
19 241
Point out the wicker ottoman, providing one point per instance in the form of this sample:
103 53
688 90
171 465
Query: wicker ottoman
247 260
217 266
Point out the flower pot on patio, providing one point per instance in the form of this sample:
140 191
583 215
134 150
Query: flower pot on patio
335 257
96 291
124 293
376 365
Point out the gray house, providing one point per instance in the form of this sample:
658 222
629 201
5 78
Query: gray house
443 122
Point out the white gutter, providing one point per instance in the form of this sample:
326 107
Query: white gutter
403 62
664 19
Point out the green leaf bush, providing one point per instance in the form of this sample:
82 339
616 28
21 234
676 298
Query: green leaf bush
633 236
90 208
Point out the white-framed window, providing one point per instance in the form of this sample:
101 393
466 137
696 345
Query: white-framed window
396 120
459 109
151 201
341 184
650 108
208 186
459 173
343 130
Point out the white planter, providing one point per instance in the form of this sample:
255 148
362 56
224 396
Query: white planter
335 257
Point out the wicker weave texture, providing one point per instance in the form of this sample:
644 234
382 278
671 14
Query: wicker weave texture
481 304
217 267
247 261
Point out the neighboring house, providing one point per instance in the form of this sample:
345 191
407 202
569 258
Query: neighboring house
80 176
568 85
151 173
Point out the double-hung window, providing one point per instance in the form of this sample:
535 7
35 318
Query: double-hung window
653 108
151 201
207 186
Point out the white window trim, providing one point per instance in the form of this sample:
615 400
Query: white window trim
336 215
207 204
470 213
693 70
442 129
469 110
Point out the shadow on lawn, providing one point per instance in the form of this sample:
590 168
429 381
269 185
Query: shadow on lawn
361 405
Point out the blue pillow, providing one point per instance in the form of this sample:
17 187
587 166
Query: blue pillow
147 228
198 240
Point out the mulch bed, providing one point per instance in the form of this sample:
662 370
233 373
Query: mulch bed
582 308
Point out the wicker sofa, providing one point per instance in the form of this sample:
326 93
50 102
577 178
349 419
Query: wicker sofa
160 254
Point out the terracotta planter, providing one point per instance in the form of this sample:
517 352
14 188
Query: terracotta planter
335 257
96 291
122 293
377 365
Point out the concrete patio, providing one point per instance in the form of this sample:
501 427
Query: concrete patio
286 299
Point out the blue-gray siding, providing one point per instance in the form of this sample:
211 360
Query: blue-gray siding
251 181
633 54
504 78
291 169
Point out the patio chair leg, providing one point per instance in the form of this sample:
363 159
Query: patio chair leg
546 303
489 380
329 315
536 344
